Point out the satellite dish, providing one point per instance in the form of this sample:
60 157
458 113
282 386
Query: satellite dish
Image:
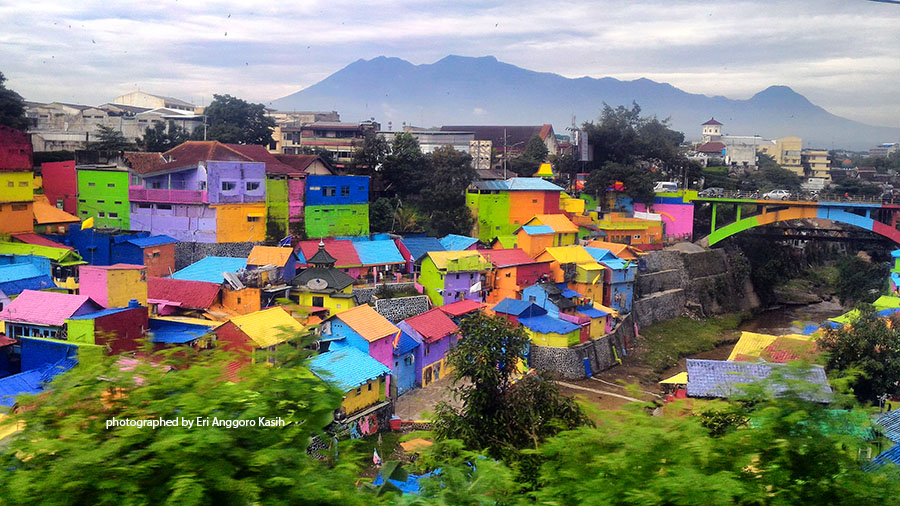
317 284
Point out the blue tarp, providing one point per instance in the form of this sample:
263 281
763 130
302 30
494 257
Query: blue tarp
546 324
210 269
591 312
410 486
31 382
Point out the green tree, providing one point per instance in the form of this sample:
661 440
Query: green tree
770 175
498 415
369 154
406 220
871 347
381 213
322 153
67 455
110 139
859 280
565 165
163 137
638 182
235 121
443 198
12 107
531 159
404 169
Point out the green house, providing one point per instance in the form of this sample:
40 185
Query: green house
103 195
337 220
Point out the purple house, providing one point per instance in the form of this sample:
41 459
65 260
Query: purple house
436 333
205 192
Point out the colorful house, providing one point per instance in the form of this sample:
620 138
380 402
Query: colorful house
534 239
545 330
564 262
16 182
412 249
103 194
436 334
361 377
513 270
895 273
337 206
286 187
379 257
619 280
453 242
282 258
404 369
211 269
44 314
254 337
513 309
322 285
16 152
114 285
342 250
23 273
622 251
50 220
565 232
118 329
602 318
501 207
556 298
63 262
209 192
60 183
169 297
449 276
42 360
180 332
155 252
677 213
643 233
458 311
364 329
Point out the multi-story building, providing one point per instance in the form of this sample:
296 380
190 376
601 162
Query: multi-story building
341 138
787 152
337 206
103 181
431 139
510 140
150 101
16 182
501 207
816 163
712 131
286 135
885 150
450 276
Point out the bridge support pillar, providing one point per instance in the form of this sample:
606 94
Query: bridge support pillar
738 213
713 220
869 213
893 219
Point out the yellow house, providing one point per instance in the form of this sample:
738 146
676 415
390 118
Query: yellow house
565 260
565 231
323 286
546 330
571 205
241 222
363 379
114 285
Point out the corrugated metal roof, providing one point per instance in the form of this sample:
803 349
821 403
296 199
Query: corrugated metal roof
440 258
174 332
890 425
210 269
39 240
15 287
381 252
269 326
537 229
406 345
546 324
342 250
508 257
17 272
558 222
269 255
569 255
517 307
31 382
600 254
366 322
419 246
348 368
101 313
45 214
56 254
453 242
461 307
432 325
591 312
45 308
518 184
153 240
719 378
190 294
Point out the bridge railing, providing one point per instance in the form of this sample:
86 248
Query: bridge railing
808 197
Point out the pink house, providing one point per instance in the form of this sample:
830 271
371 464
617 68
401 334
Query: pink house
363 329
114 285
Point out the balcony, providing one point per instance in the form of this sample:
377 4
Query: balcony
167 196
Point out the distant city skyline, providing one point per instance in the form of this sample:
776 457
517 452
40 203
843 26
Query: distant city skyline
841 54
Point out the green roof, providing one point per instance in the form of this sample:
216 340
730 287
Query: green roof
848 317
886 302
58 255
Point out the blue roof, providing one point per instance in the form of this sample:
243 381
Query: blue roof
888 312
173 332
453 242
617 264
601 253
31 382
418 246
895 278
406 345
16 287
546 324
17 272
102 312
888 456
153 240
591 312
518 184
890 425
895 253
566 291
518 307
300 258
347 367
210 269
720 378
378 252
537 229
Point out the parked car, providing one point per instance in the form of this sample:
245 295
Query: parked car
777 195
665 186
712 193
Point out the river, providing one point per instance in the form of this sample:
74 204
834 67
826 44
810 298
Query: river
792 319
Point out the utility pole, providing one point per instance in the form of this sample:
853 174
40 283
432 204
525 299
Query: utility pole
504 153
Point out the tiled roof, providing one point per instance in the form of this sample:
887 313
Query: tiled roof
366 322
719 378
342 250
569 255
546 324
712 121
441 258
45 214
712 147
144 163
153 240
406 345
301 162
191 153
453 242
418 246
537 229
380 252
461 307
259 153
39 240
189 294
508 257
432 325
269 255
210 269
518 307
45 308
269 326
558 222
347 367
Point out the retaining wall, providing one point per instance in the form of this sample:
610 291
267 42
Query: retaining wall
187 253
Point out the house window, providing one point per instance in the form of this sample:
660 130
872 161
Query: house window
370 386
239 300
318 301
59 203
345 191
118 202
111 185
637 237
252 186
20 207
145 205
534 201
253 219
156 185
427 349
328 191
396 363
101 214
101 201
23 183
11 184
164 207
92 184
408 360
228 186
136 180
359 391
113 215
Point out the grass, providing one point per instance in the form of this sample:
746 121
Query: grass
360 450
663 343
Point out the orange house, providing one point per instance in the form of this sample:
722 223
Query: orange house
523 205
622 251
534 239
564 261
566 231
635 231
513 271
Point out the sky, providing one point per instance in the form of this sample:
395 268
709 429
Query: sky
843 55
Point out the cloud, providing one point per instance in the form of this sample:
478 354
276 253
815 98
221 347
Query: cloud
839 54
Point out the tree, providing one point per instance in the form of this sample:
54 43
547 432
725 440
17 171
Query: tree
381 213
770 175
404 169
531 159
369 154
565 165
110 139
638 182
859 280
443 198
12 107
67 455
163 137
406 220
871 346
322 153
499 415
235 121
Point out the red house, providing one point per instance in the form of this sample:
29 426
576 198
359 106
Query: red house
16 152
61 184
513 271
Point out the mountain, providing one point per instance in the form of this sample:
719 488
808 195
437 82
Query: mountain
459 90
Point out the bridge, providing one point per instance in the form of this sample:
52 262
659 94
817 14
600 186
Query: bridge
874 216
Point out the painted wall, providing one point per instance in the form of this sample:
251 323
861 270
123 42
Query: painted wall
524 205
457 285
429 354
120 332
277 209
113 287
103 194
244 301
18 217
538 296
61 184
336 220
678 219
336 190
366 395
491 211
236 182
16 152
404 371
160 259
381 350
231 338
534 245
334 305
16 186
188 223
553 339
240 222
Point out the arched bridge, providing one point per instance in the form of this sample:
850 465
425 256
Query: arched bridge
877 217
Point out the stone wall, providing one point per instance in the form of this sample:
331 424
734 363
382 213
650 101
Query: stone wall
568 363
366 295
402 308
187 253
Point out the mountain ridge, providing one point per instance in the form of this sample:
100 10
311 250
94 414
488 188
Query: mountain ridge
484 90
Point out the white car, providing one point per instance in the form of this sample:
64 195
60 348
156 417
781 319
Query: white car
777 195
665 186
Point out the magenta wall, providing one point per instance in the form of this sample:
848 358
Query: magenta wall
92 282
678 219
296 187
